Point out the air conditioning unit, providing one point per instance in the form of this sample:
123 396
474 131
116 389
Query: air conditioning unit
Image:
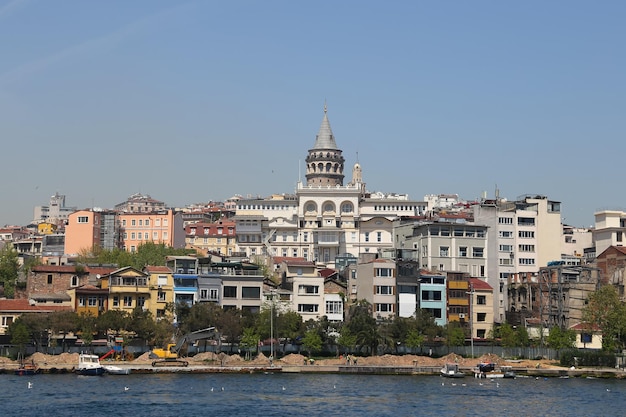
461 315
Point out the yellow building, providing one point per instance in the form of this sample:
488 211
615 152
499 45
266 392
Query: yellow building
128 288
46 228
161 285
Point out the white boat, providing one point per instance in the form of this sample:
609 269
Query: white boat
116 370
489 371
89 365
451 370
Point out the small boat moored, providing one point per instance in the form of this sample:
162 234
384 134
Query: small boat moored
489 371
116 370
451 370
27 368
89 365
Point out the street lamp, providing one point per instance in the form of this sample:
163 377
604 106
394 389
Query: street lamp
272 292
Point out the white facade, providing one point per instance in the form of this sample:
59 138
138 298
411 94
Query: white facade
610 229
523 236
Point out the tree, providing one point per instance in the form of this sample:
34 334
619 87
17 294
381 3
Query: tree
249 340
605 311
413 339
561 339
312 341
63 322
363 326
454 333
87 326
9 269
113 320
346 339
20 335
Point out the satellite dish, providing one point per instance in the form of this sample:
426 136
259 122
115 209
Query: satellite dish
31 302
98 276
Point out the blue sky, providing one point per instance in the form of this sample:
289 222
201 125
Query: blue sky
193 101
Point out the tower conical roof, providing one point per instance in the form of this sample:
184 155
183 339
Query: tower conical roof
325 138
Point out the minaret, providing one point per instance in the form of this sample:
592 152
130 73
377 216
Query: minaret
324 164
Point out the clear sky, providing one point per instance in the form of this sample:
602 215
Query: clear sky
192 101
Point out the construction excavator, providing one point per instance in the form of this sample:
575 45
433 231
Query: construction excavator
170 356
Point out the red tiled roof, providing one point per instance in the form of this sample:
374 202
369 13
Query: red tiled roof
327 272
157 268
71 269
23 305
479 284
584 326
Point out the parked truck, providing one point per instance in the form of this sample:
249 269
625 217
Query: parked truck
170 356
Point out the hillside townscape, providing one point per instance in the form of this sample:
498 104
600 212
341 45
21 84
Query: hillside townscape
330 269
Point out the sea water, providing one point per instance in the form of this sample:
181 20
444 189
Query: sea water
276 394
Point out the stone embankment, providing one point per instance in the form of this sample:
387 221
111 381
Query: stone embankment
210 362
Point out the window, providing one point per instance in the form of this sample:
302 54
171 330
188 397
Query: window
140 222
334 307
83 219
383 272
204 293
435 312
477 252
116 301
458 232
384 308
81 301
505 220
525 221
346 208
463 251
124 222
444 251
49 278
308 289
367 236
230 292
481 333
251 293
305 236
146 236
506 248
526 234
213 294
505 234
384 290
164 235
481 299
147 223
428 295
526 261
74 282
161 296
379 236
128 301
92 301
7 321
481 316
307 308
132 236
526 248
133 222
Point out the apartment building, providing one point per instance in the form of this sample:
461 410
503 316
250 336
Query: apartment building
218 237
91 228
164 227
376 283
481 306
610 229
522 236
306 284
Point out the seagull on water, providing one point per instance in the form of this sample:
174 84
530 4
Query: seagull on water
284 388
126 388
30 385
211 389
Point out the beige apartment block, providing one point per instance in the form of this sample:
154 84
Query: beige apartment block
481 306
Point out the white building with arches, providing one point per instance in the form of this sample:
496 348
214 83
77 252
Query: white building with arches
325 218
